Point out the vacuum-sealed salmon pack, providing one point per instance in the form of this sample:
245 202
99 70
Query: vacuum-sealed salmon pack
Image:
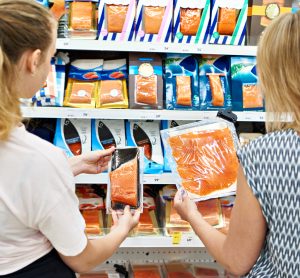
228 22
244 79
145 81
146 134
82 18
214 82
191 21
203 158
73 136
83 83
154 21
139 270
181 82
125 183
116 20
112 91
170 124
107 134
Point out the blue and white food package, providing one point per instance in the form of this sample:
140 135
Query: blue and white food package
228 22
202 157
73 136
146 134
245 91
108 133
191 21
214 82
154 21
181 82
116 20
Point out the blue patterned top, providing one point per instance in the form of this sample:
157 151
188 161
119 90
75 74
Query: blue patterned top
272 167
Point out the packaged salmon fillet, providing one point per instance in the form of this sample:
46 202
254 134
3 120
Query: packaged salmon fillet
58 8
214 80
227 204
227 21
252 98
113 89
146 89
181 79
116 15
82 19
93 220
179 270
203 157
125 185
153 17
154 21
146 270
189 21
145 81
207 269
216 88
73 136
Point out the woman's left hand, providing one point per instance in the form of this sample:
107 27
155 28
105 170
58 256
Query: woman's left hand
93 162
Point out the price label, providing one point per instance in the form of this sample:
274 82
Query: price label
176 237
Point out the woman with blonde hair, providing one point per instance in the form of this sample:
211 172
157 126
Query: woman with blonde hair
264 234
42 230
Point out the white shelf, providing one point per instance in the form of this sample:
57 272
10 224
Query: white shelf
164 178
136 114
73 44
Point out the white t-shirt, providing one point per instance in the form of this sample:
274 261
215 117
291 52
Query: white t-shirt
38 205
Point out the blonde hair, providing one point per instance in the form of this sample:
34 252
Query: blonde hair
278 64
24 25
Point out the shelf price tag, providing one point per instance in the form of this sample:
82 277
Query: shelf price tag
176 237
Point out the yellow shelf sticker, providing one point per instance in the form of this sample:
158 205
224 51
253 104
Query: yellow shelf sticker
176 237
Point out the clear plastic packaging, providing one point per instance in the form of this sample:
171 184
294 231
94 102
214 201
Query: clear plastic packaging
202 157
189 21
125 184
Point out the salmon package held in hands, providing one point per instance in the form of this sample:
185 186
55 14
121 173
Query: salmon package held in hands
82 18
154 20
203 157
244 83
214 82
228 22
125 186
191 21
181 79
116 20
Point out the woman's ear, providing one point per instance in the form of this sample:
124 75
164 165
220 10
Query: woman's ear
33 60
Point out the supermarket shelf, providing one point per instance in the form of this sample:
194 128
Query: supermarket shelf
73 44
165 178
136 114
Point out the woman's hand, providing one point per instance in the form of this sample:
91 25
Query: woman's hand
93 162
126 220
184 206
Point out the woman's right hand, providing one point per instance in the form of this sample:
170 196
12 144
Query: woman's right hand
127 220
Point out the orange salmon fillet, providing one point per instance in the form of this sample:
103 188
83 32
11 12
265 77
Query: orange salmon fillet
202 272
92 221
111 91
81 92
251 96
216 90
81 15
153 17
116 15
189 21
206 160
75 148
209 210
124 183
227 21
183 90
146 271
145 222
146 89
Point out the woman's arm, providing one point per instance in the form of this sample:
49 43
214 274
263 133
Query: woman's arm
93 162
239 250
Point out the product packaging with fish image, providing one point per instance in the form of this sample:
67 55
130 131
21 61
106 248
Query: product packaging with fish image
125 183
202 156
73 136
